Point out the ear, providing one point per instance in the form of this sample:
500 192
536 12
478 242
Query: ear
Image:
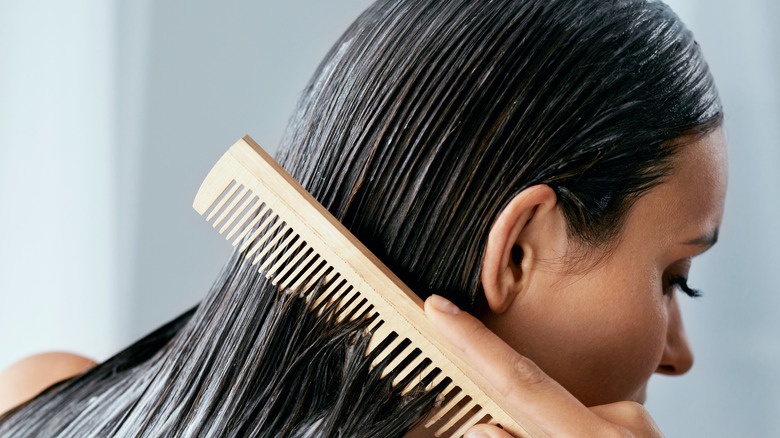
529 221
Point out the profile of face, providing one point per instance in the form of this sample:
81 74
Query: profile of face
602 323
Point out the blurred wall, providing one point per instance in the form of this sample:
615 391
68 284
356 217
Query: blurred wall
111 113
57 178
198 76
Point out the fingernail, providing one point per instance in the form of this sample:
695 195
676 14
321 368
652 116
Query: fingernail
443 305
475 434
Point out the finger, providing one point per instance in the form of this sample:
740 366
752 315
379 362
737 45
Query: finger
486 431
631 416
529 391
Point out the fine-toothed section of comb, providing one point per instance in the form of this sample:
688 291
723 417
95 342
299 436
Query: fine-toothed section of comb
480 416
293 263
334 285
347 302
412 373
315 278
304 272
287 256
314 287
459 412
439 378
366 312
291 259
404 365
351 305
451 400
424 379
276 249
349 311
293 269
414 368
380 332
384 353
384 344
458 415
265 230
265 215
345 305
345 298
375 339
268 242
400 361
393 351
334 306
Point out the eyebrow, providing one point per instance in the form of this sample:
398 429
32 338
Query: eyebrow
706 240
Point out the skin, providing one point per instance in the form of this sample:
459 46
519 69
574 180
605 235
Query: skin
27 377
573 346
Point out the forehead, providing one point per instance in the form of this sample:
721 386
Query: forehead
690 202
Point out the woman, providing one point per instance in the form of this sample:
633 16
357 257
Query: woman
550 166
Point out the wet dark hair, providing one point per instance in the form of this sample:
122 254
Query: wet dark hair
422 122
460 105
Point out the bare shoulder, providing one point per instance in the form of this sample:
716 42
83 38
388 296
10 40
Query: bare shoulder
29 376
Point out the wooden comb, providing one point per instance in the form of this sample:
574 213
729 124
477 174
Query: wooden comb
300 244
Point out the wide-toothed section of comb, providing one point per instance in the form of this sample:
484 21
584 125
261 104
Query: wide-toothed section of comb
248 219
278 251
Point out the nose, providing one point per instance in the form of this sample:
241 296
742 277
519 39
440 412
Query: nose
677 357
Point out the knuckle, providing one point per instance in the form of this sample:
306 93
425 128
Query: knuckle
627 419
615 431
488 431
635 418
633 412
527 372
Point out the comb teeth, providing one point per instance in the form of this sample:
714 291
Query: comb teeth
299 245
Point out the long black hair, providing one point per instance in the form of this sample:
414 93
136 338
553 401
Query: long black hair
422 122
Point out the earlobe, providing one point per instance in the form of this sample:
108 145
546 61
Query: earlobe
512 245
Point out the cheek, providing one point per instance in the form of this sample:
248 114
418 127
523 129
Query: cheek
602 345
625 353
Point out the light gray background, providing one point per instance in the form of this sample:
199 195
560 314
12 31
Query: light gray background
112 112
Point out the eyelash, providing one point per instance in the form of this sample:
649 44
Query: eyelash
681 283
